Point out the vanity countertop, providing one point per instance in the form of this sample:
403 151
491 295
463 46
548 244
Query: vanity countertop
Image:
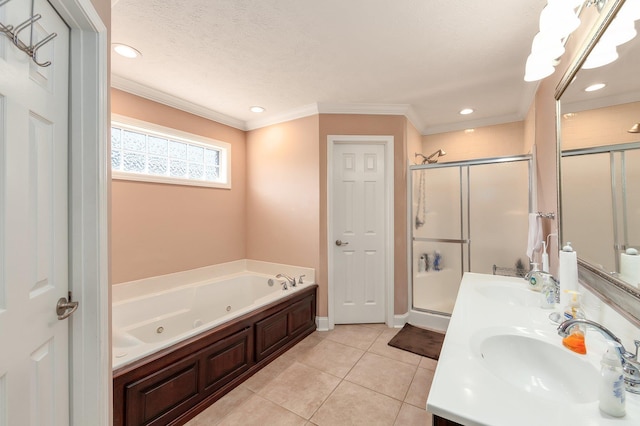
474 384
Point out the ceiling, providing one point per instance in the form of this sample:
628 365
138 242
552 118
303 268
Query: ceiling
424 59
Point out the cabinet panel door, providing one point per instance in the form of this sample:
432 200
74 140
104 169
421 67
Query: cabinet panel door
302 316
227 359
271 334
163 394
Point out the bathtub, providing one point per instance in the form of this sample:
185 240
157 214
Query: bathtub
149 323
178 350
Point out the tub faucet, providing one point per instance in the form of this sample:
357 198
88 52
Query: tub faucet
630 362
292 281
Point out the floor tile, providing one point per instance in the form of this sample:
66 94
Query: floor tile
332 357
300 389
307 344
428 363
351 404
258 411
413 416
384 375
355 335
381 347
380 327
212 415
259 380
419 389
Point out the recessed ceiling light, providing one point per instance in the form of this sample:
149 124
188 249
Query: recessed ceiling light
594 87
466 111
256 108
126 51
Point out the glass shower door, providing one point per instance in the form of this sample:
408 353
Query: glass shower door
438 237
468 216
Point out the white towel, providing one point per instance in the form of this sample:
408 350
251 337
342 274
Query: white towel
535 235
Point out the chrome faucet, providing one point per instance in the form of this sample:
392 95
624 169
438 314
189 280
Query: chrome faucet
292 281
630 362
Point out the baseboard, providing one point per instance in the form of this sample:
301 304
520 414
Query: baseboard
429 320
322 323
400 320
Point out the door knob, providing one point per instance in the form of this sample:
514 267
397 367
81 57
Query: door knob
340 243
64 307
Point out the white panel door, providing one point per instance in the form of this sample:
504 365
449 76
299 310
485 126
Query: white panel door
358 215
34 362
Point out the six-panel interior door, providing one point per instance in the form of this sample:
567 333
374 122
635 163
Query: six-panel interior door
358 215
34 362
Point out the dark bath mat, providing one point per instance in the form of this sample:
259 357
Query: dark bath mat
419 341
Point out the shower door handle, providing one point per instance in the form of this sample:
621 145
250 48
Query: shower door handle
340 243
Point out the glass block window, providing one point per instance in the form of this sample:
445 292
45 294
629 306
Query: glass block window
144 151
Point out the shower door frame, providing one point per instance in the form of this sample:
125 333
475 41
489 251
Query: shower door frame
411 220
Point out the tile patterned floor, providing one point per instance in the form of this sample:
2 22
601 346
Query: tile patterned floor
347 376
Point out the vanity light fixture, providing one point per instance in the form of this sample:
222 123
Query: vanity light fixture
126 51
594 87
256 109
635 128
466 111
621 30
468 131
558 19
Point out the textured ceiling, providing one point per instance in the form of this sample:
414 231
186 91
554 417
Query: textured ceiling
436 57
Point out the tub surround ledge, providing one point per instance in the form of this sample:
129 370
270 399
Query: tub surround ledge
471 388
142 287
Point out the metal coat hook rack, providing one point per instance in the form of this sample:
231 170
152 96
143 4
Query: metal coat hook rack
30 49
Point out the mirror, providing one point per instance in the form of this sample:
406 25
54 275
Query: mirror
600 169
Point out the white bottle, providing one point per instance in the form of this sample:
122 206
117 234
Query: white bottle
612 393
545 258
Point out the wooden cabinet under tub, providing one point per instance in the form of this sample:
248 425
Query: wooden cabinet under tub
173 385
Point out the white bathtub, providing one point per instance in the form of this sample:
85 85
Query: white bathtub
145 324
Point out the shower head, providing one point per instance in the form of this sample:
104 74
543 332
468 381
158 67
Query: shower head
430 159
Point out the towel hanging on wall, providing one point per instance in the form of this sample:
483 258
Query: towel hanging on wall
535 234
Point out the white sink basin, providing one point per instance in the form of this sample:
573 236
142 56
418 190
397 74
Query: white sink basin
544 369
514 296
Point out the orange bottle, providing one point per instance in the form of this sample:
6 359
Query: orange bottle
575 341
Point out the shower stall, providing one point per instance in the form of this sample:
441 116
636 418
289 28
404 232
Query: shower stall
466 216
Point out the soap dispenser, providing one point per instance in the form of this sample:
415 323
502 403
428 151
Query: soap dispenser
535 278
611 392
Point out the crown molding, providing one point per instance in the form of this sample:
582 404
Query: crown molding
482 122
623 98
121 83
304 111
376 109
155 95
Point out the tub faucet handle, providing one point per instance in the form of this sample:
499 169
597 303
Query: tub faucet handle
292 281
300 279
284 285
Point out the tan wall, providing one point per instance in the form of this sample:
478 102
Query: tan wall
602 126
103 7
414 142
283 204
483 142
158 228
335 124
